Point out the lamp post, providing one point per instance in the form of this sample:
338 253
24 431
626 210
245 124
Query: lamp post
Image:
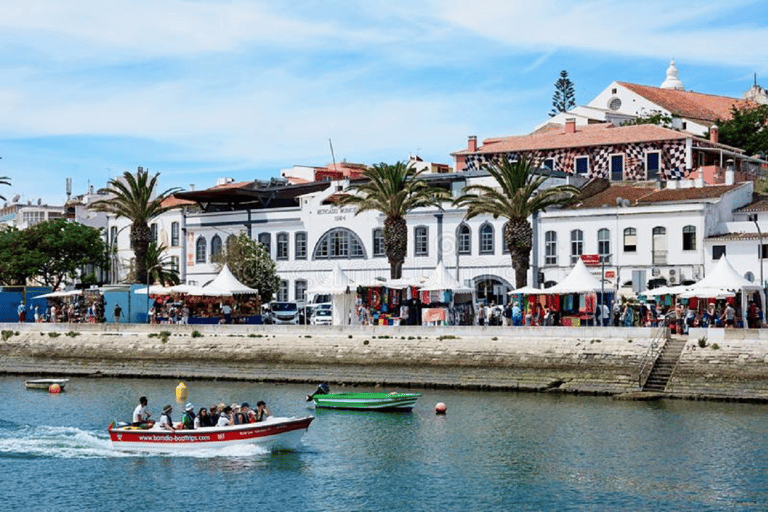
753 218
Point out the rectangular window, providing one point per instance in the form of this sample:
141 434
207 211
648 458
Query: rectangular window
630 240
282 293
175 263
300 248
718 251
421 241
689 238
282 246
763 251
550 248
378 243
174 234
652 165
577 245
265 239
549 163
617 167
153 227
300 289
581 165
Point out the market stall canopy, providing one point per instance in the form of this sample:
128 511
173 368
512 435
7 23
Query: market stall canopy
338 283
667 290
54 295
526 290
225 285
189 289
154 289
723 277
708 293
441 279
580 280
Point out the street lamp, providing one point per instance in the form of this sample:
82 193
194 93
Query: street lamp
753 218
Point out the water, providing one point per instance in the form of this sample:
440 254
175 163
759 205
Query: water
492 451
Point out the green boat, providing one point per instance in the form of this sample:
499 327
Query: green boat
381 401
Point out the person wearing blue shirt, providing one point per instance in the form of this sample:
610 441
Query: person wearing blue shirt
517 314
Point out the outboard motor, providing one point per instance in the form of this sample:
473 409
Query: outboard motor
322 389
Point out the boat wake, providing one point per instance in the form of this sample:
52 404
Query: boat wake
40 442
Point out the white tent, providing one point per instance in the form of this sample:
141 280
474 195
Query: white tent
667 290
226 285
154 289
342 291
441 279
580 280
52 295
526 290
725 281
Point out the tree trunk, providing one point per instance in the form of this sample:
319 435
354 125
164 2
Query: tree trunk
518 235
140 238
395 245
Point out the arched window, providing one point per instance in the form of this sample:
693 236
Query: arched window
604 245
504 248
339 243
577 245
113 236
200 248
689 238
153 229
265 239
282 246
630 240
300 245
420 241
550 248
464 239
300 289
659 249
215 247
486 239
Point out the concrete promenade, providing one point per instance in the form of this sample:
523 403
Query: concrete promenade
573 360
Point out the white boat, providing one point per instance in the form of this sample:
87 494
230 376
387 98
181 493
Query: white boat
273 434
45 383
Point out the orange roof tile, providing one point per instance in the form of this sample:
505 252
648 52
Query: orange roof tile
589 135
173 201
642 194
692 105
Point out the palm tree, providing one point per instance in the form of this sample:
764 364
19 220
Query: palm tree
160 267
394 190
516 197
135 198
4 180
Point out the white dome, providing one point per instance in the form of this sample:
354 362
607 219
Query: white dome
672 82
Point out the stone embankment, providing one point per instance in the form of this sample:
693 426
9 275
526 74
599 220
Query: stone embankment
582 360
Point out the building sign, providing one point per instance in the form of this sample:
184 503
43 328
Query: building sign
338 213
591 260
610 274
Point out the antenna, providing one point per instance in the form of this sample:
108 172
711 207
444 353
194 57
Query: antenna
333 157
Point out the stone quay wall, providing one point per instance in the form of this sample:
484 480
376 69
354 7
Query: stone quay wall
593 360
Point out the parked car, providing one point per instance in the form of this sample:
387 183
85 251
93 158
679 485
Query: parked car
284 312
322 317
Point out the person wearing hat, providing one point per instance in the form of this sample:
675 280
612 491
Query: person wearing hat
188 420
262 412
166 422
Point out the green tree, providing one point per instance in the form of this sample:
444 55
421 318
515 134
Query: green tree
564 98
517 196
747 129
4 180
655 117
250 263
53 251
394 190
134 196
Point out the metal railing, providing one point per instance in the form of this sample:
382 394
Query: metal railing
659 341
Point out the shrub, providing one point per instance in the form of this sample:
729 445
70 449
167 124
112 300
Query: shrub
196 334
702 342
365 342
715 346
54 334
72 334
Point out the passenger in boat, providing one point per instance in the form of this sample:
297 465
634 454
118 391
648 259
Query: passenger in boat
241 415
188 420
262 412
225 418
202 419
213 414
141 415
165 419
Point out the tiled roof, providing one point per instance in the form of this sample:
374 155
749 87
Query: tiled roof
173 201
691 105
590 135
643 194
735 236
758 204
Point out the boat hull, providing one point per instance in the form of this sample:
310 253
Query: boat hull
45 383
273 434
367 401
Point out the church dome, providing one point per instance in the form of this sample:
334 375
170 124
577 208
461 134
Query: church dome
672 82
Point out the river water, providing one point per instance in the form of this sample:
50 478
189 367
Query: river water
491 451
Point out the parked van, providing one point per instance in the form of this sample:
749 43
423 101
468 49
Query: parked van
284 312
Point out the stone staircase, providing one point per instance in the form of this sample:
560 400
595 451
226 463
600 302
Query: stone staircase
664 365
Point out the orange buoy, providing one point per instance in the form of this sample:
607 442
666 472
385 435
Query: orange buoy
440 408
54 389
181 392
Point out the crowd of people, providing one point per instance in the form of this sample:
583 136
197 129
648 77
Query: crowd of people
218 415
89 309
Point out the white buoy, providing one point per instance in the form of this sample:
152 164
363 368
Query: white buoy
440 408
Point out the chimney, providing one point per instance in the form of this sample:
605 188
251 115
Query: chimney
570 125
472 144
714 134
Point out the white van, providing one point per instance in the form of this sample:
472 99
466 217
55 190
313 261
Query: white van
284 312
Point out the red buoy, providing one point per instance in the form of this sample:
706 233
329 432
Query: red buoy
54 389
440 408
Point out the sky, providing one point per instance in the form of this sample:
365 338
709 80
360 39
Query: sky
197 90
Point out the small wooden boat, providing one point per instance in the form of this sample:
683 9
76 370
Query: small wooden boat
45 383
273 434
377 401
